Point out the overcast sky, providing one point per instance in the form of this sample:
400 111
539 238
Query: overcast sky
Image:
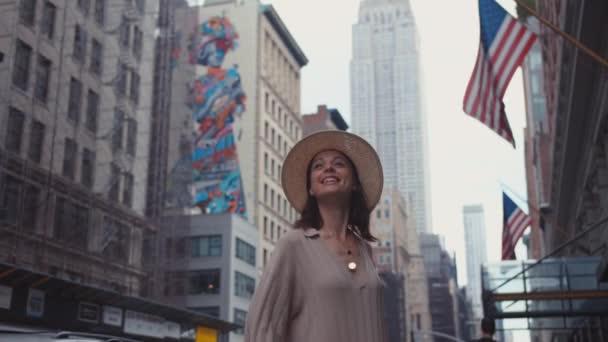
468 161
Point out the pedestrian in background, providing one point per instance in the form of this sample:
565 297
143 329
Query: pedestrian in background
488 329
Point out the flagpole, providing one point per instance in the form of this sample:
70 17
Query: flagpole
565 35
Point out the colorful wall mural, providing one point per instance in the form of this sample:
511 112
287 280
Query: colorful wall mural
207 175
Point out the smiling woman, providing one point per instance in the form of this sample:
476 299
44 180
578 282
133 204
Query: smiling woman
321 283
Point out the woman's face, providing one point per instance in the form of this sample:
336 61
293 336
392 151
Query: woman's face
331 174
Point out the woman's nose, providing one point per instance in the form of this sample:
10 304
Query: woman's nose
329 168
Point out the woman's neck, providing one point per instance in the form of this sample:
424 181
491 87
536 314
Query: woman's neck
335 219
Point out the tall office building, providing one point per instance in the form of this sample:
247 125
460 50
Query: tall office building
74 115
386 101
475 238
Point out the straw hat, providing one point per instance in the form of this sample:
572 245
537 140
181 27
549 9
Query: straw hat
359 151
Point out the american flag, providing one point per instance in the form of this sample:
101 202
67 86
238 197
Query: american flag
515 222
504 43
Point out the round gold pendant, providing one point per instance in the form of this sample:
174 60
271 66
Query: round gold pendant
352 266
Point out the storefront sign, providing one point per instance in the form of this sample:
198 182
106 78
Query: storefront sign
35 303
88 312
112 315
6 294
204 334
138 323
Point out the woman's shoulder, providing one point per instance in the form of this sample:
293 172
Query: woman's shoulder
294 235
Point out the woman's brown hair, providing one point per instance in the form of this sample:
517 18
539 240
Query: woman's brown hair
358 214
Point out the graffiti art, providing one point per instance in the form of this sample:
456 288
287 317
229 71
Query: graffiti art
208 176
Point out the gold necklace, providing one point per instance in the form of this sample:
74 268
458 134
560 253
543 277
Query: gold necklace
352 265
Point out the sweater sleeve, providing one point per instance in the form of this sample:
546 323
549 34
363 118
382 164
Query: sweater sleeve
272 304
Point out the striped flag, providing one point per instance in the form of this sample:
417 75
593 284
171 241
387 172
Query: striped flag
515 222
504 43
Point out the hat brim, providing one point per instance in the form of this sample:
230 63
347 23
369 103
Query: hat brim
360 152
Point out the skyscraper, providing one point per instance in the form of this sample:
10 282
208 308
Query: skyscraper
475 239
386 98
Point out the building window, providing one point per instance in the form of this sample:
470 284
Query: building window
279 203
265 257
27 12
272 198
80 44
100 11
284 207
21 71
272 168
266 102
134 87
96 61
117 130
84 6
69 158
49 12
88 168
125 33
204 281
272 230
75 100
14 133
265 226
272 137
279 141
36 141
127 190
244 285
31 206
115 240
121 85
240 319
245 252
131 136
71 223
10 197
265 193
114 182
213 311
92 111
265 162
138 37
141 6
387 213
206 246
43 77
272 110
278 232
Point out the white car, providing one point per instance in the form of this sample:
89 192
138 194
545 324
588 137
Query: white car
61 336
